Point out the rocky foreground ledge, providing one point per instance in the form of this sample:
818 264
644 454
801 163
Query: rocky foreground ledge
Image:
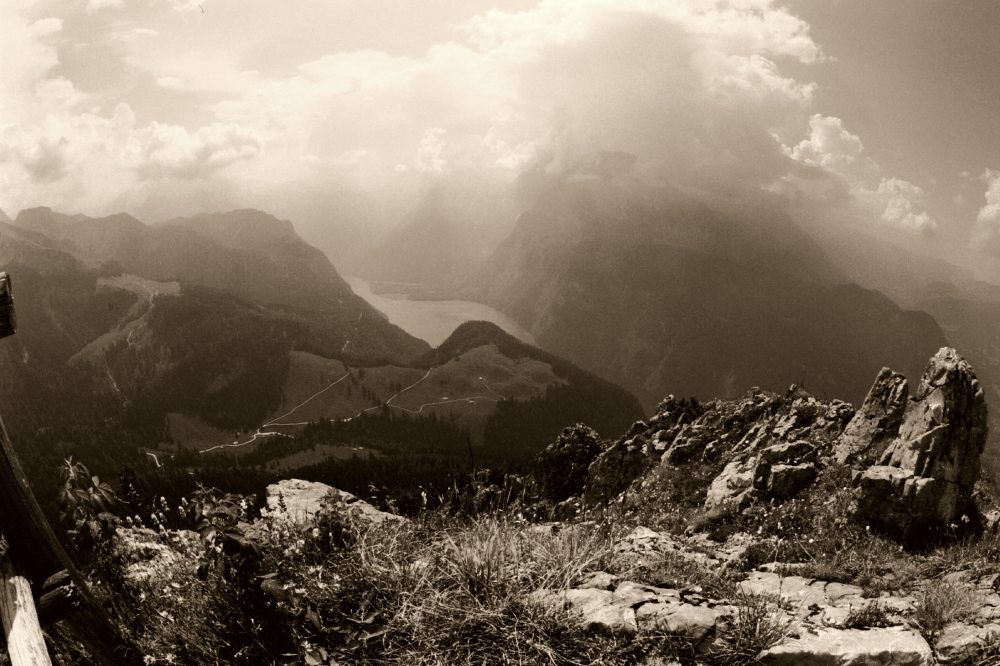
821 622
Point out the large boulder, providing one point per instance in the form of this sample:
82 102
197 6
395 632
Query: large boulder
877 423
925 477
299 501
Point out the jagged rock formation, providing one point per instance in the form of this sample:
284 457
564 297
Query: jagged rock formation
669 435
878 420
926 477
771 443
770 447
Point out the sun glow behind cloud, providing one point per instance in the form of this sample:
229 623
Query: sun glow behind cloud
227 102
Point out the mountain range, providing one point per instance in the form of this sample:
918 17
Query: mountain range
661 292
664 290
146 344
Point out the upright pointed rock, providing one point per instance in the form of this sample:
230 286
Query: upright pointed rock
925 478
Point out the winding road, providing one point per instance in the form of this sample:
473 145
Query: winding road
277 421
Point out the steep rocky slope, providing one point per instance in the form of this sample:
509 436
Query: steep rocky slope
917 460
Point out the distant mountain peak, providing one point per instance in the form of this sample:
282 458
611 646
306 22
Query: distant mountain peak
241 228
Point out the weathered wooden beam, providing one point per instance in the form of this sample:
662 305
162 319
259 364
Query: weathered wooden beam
58 599
33 545
8 322
25 640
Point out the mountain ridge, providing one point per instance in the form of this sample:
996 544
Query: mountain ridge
667 296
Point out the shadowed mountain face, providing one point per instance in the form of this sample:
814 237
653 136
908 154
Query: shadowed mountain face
247 253
664 294
201 331
121 324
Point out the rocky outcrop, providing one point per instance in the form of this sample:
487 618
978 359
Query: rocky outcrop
925 478
820 621
732 487
604 605
770 443
299 501
893 646
776 472
673 433
771 447
615 469
876 424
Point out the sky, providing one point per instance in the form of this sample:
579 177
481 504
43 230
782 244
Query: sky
340 114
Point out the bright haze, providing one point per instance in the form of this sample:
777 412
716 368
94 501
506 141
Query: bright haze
342 116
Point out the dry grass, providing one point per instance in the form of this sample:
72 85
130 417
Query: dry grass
757 625
407 594
940 603
871 614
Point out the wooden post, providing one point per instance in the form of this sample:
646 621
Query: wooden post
8 322
25 641
33 545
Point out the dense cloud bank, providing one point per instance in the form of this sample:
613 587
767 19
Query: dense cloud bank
172 107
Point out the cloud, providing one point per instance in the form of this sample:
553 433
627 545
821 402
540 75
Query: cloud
698 90
188 6
59 144
987 231
132 34
170 82
159 150
695 87
96 5
46 26
833 149
905 205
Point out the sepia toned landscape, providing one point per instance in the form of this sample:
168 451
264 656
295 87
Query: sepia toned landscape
537 332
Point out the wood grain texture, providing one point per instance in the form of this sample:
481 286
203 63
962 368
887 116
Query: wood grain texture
25 640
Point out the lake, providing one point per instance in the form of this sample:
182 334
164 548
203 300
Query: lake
434 321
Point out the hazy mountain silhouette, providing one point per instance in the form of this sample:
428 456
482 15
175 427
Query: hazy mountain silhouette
656 290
